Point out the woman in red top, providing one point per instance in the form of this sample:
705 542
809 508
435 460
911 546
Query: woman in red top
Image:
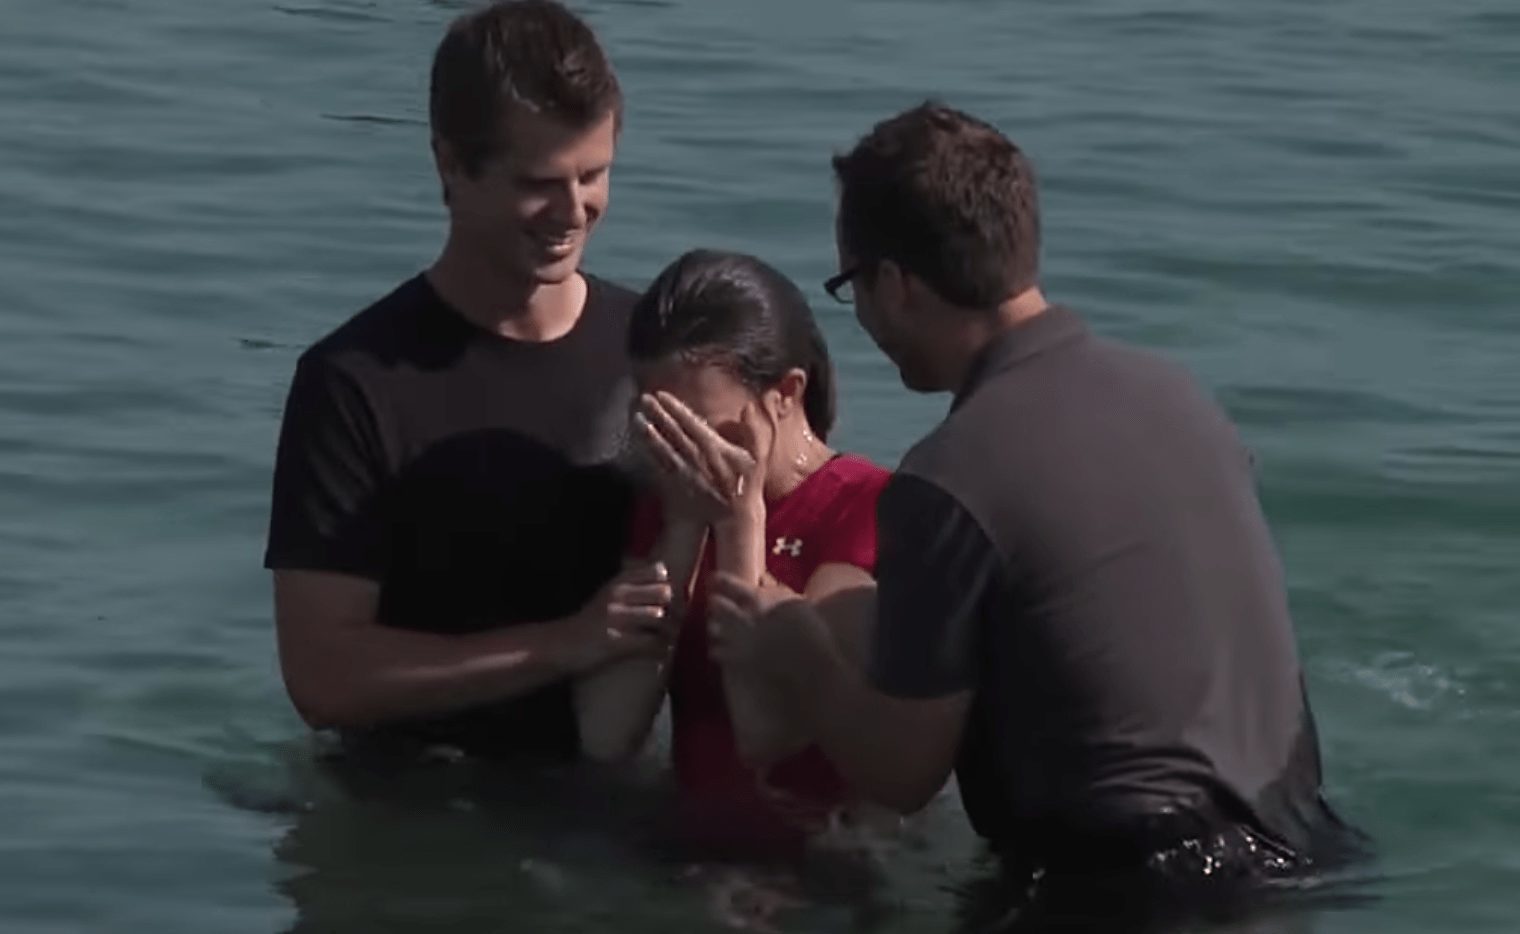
736 378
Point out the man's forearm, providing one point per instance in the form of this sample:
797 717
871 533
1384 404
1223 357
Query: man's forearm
831 702
369 674
890 751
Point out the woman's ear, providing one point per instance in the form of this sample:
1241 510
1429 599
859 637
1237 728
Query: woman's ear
786 396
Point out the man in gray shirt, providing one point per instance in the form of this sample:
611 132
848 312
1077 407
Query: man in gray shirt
1080 607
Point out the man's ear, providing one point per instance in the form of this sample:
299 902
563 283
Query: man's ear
444 157
446 161
889 287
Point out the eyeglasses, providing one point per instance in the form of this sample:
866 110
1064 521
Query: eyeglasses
840 285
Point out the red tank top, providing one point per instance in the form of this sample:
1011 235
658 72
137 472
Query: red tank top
830 518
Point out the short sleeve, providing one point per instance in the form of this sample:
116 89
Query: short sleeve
936 571
327 509
851 533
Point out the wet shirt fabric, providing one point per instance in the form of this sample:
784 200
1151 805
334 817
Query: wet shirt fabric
471 476
830 518
1079 545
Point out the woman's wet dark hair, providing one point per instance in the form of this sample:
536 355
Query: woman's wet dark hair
734 311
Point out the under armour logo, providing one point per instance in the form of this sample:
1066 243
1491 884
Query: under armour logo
792 546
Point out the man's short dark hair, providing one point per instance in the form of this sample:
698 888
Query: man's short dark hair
533 54
946 197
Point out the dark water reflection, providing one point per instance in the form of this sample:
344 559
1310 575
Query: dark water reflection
474 848
985 904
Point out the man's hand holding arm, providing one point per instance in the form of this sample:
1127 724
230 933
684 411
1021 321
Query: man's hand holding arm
342 668
894 732
616 704
327 546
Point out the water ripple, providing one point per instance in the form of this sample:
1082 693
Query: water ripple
336 12
1405 681
1311 205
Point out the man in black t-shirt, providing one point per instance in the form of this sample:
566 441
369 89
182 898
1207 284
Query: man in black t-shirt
1080 608
447 523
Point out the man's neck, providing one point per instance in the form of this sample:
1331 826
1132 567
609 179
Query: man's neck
982 330
504 304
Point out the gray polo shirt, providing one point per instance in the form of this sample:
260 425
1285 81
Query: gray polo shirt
1080 545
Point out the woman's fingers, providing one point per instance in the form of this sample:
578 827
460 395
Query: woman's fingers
690 422
724 461
762 433
710 456
670 460
665 457
665 423
754 427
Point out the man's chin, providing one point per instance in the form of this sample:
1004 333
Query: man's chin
916 379
911 378
914 383
559 271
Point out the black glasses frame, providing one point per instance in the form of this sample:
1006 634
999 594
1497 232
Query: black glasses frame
839 280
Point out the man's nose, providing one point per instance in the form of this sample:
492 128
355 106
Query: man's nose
570 206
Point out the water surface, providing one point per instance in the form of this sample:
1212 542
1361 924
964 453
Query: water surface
1311 204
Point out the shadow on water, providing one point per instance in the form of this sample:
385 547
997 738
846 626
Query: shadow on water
463 846
451 844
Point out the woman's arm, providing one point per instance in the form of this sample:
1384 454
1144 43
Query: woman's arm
759 730
764 729
616 704
728 482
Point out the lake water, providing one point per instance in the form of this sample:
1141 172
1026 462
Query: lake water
1315 205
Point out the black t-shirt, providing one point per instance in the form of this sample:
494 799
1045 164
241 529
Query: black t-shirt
1080 545
471 476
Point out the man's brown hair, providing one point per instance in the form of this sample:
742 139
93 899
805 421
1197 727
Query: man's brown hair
533 54
946 197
